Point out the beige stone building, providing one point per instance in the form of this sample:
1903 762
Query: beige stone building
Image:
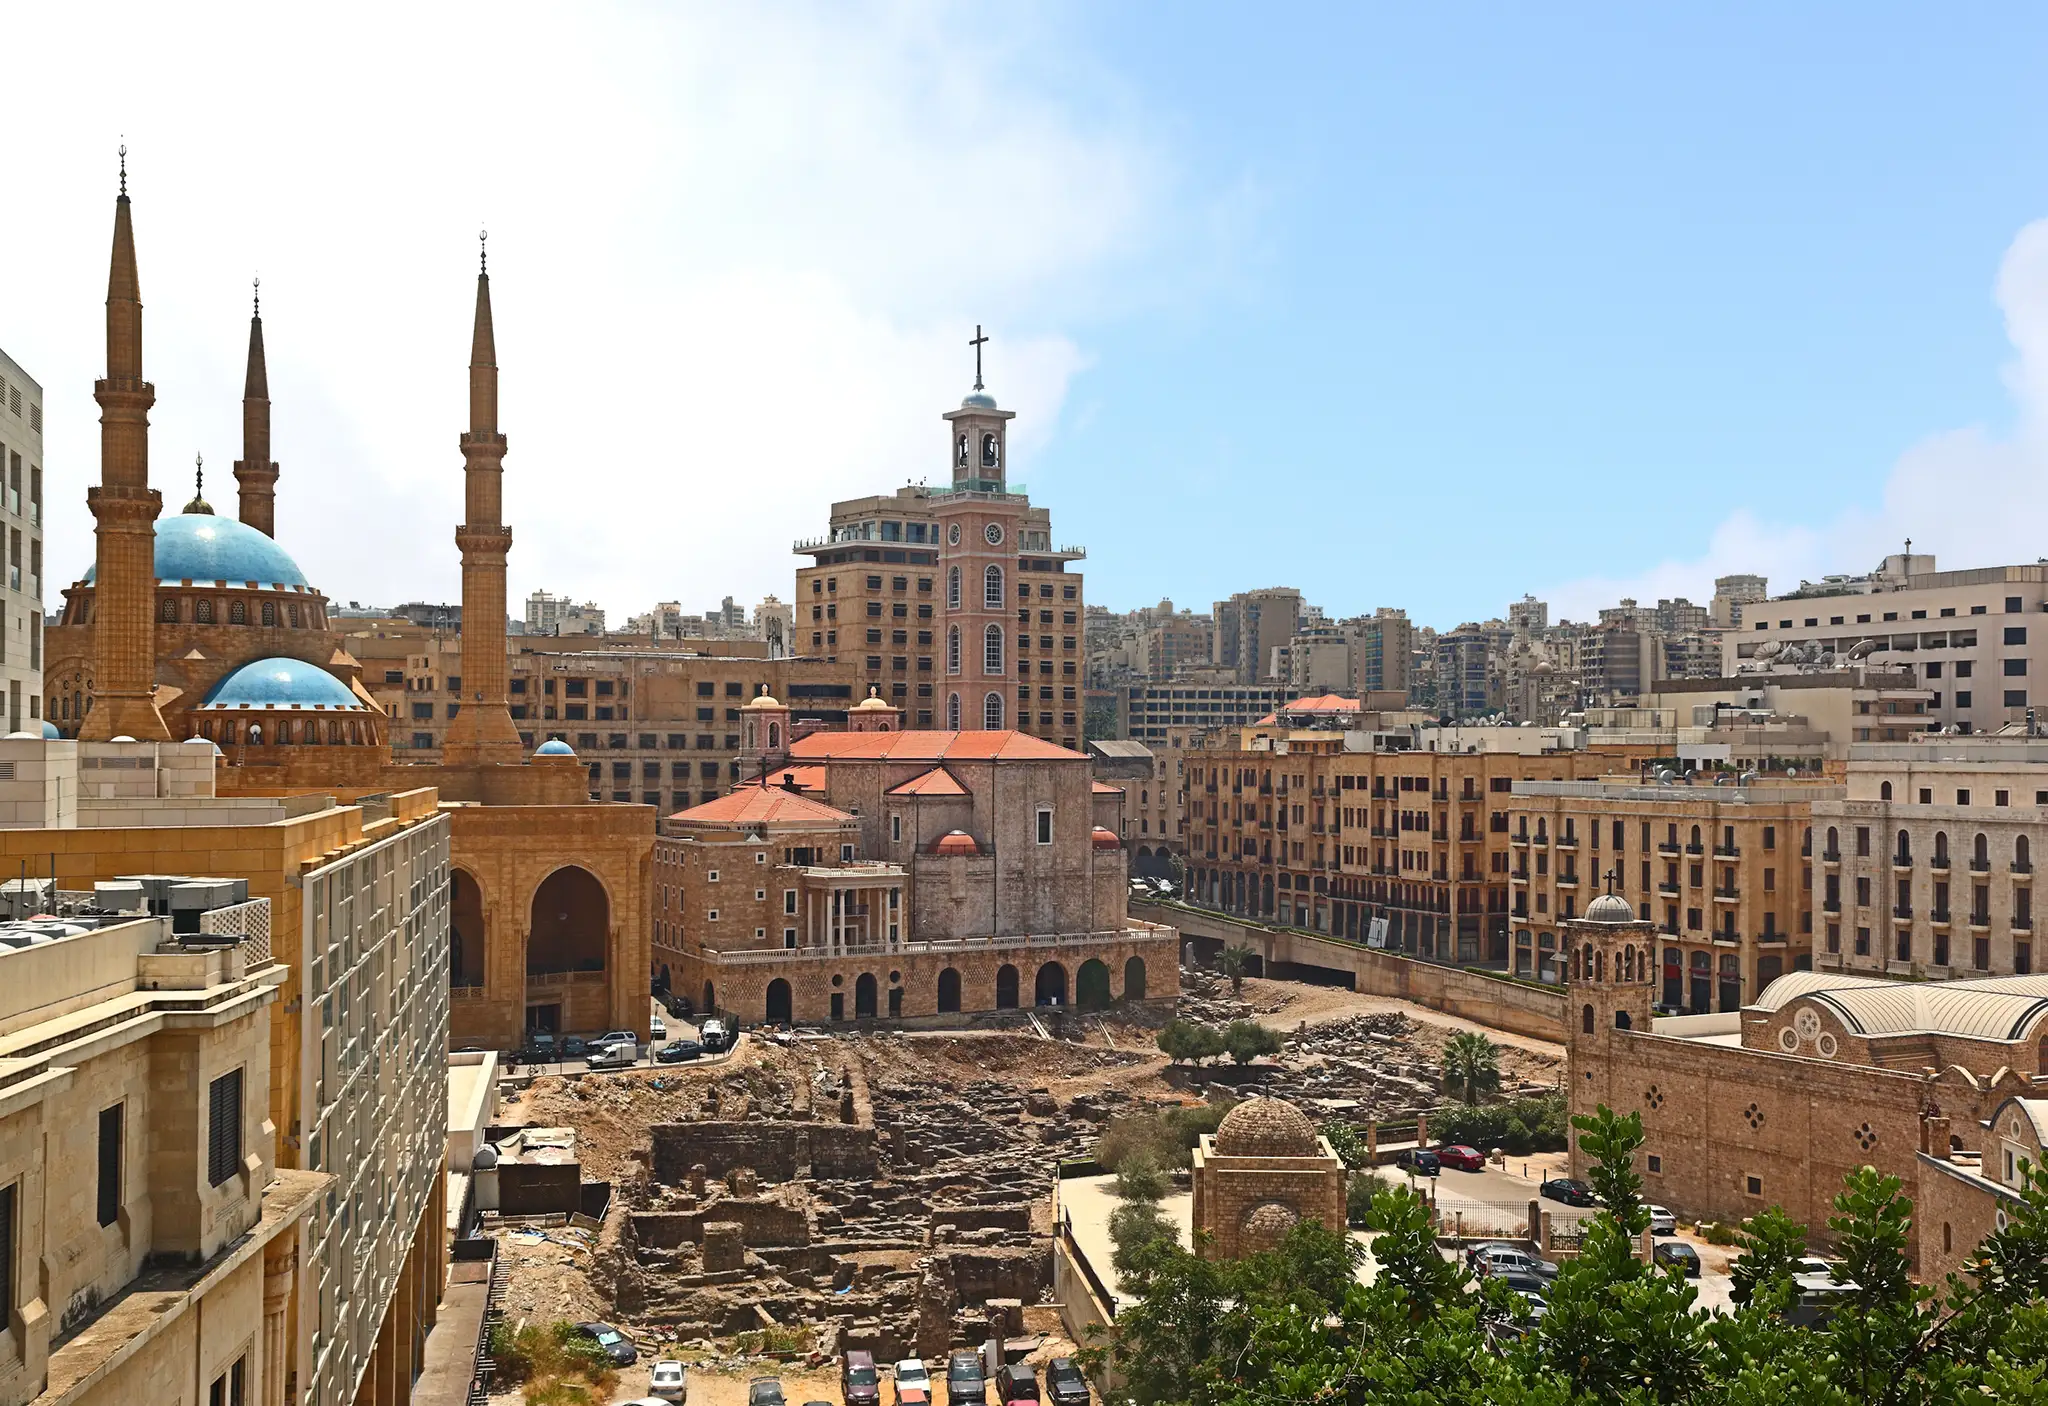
1264 1170
1724 873
153 1250
1821 1074
1153 780
21 546
878 873
1925 866
956 604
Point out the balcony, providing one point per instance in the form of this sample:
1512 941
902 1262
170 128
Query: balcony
1568 881
1668 889
2022 872
1980 922
1695 849
1831 906
1725 938
1980 866
1727 851
1727 895
1669 847
1570 842
1902 863
1833 856
1902 910
1773 937
1520 841
1939 864
1939 918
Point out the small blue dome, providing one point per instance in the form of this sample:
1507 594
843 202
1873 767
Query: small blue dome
50 733
282 683
978 400
554 747
202 547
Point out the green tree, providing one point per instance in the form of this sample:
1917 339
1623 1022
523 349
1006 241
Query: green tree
1138 1230
1245 1040
1186 1042
1233 963
1471 1066
1772 1244
1140 1178
1347 1142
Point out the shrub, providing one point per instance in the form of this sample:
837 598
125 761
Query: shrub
561 1367
1135 1228
1358 1197
1346 1142
1139 1177
1718 1233
1246 1040
1184 1041
1166 1136
1523 1126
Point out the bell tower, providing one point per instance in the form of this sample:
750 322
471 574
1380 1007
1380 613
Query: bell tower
982 644
1611 956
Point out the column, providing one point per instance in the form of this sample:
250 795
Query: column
280 1271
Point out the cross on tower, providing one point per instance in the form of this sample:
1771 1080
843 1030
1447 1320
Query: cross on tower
977 341
1611 878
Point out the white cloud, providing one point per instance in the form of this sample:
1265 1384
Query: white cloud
1969 497
736 255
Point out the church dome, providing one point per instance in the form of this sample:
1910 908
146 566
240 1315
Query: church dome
955 842
1104 838
554 747
977 400
282 683
1610 908
1266 1127
204 547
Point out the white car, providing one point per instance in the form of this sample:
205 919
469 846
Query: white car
912 1376
668 1383
657 1029
1662 1222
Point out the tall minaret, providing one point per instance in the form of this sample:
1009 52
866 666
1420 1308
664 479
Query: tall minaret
254 471
126 508
483 730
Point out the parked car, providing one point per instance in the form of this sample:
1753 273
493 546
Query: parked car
712 1034
657 1029
669 1382
1679 1255
539 1048
1474 1252
764 1391
611 1057
965 1385
573 1047
678 1051
615 1345
1064 1383
859 1382
1531 1286
1569 1190
1503 1260
1421 1161
1016 1382
913 1383
619 1037
1465 1159
1818 1296
1662 1222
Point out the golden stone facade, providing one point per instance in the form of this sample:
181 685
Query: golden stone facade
1262 1171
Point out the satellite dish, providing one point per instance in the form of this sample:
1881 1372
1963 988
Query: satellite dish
1769 648
1793 655
1862 647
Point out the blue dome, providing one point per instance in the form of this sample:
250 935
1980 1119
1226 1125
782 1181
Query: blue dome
50 733
554 747
202 547
282 683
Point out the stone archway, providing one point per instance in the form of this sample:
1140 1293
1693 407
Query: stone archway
1051 987
949 992
1006 987
864 996
1091 985
778 1002
568 938
1134 979
710 1006
466 935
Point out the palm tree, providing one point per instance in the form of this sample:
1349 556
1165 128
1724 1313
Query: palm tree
1471 1066
1233 962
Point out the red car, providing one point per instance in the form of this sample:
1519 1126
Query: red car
1465 1159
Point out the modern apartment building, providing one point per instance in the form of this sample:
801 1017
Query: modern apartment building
1925 868
21 545
1151 711
1397 838
1250 626
152 1247
1970 637
1723 872
954 604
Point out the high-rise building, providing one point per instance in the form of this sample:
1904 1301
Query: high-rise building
21 523
1250 626
955 604
1731 594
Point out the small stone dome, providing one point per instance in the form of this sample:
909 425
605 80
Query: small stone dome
955 842
1610 908
554 747
1266 1127
874 703
977 400
1266 1225
1104 838
764 699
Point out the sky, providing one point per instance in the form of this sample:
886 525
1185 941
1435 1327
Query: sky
1423 307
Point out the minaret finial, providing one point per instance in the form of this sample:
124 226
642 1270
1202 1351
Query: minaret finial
123 150
198 475
483 252
256 284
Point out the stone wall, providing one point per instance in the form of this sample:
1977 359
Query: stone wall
775 1151
761 1222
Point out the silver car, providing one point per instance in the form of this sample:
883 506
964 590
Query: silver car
668 1382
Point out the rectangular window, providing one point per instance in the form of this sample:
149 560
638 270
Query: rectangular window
2015 634
1044 825
224 1128
2016 668
110 1164
1962 695
2015 698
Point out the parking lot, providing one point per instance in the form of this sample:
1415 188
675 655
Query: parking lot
677 1028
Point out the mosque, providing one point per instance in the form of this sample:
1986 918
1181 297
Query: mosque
197 625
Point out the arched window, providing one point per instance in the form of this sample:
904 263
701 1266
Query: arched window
1980 853
1695 839
992 712
1586 1021
2022 856
1884 792
953 712
992 588
1940 847
238 612
170 610
953 650
1905 853
953 589
992 650
1834 843
270 612
202 611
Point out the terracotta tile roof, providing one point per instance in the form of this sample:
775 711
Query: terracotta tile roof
1103 788
917 746
1322 703
936 782
763 805
807 778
